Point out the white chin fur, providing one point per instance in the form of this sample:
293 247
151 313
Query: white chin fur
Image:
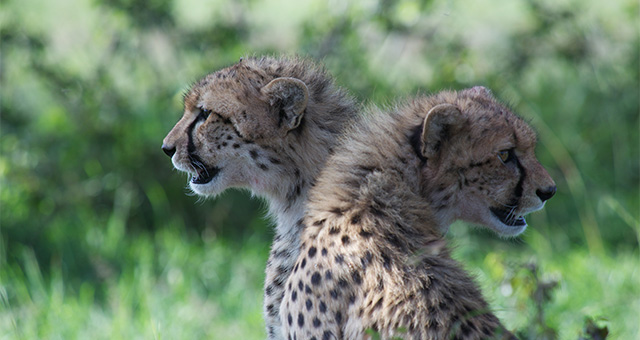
506 230
208 189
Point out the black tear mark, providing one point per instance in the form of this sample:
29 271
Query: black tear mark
519 186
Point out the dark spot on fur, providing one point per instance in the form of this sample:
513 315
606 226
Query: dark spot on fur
300 285
319 222
366 169
324 252
262 166
279 253
316 322
274 160
327 335
352 299
282 270
253 153
271 310
339 317
309 304
304 263
333 230
328 275
339 259
386 261
365 234
336 210
279 281
345 240
316 278
366 259
312 252
355 219
307 289
355 275
395 241
300 320
294 295
289 319
322 307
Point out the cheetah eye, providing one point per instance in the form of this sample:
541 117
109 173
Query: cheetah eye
506 155
204 113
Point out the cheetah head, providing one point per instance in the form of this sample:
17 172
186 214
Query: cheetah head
480 162
229 116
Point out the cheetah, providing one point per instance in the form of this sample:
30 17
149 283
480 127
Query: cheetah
268 125
373 257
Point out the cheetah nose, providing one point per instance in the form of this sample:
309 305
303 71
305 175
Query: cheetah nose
169 150
546 193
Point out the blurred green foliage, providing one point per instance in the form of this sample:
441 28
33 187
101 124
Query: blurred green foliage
97 236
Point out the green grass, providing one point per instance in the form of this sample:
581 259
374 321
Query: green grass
172 284
166 285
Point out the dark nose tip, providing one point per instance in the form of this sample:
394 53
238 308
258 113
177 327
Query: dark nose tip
546 193
168 150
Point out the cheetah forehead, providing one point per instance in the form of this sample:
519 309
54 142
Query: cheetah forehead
242 82
490 120
235 83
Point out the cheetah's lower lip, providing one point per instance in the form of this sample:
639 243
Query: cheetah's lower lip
205 175
506 217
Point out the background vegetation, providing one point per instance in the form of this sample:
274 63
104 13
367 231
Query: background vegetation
98 238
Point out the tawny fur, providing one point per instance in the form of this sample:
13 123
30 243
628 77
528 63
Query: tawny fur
255 126
372 254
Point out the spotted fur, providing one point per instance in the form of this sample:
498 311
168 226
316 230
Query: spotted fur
372 254
268 125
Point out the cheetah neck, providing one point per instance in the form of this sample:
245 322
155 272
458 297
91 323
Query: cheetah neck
377 167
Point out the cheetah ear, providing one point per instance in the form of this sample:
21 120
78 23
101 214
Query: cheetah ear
289 96
437 126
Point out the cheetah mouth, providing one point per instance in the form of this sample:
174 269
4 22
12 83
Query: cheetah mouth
507 217
203 174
